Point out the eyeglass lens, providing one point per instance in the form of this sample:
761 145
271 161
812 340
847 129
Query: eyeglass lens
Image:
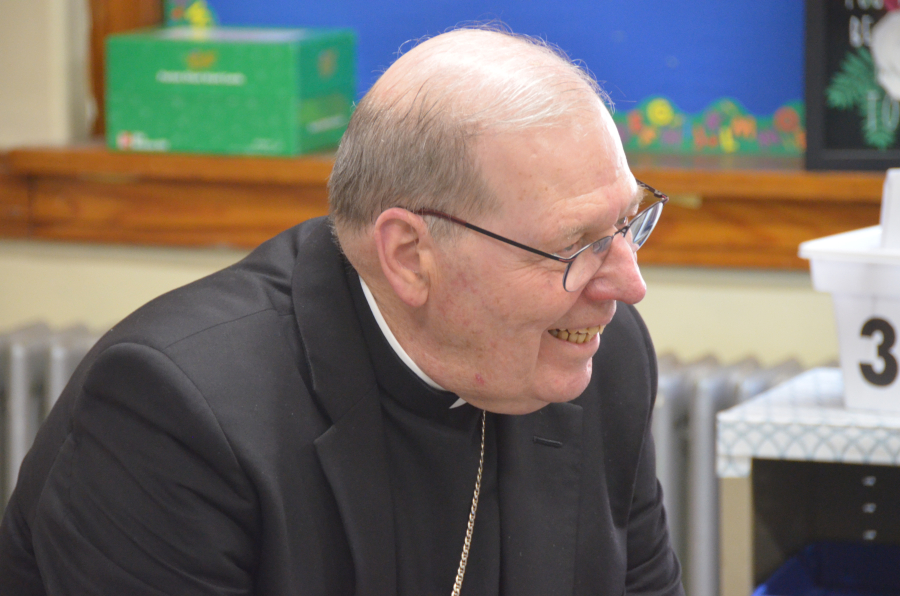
591 258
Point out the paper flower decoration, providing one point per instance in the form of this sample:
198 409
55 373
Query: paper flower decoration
886 52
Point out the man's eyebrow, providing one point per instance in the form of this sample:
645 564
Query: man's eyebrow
577 230
572 231
639 196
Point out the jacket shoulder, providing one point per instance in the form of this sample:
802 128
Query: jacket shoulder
261 281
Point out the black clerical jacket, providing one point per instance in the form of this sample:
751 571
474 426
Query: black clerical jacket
227 438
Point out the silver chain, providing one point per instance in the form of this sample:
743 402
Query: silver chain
468 542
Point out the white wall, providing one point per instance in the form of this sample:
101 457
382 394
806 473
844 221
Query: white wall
691 312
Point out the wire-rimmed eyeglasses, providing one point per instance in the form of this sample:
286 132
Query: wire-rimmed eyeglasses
581 266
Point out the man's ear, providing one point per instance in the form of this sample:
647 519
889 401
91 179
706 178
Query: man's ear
405 252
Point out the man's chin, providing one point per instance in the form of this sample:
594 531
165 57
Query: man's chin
573 388
552 385
565 383
526 405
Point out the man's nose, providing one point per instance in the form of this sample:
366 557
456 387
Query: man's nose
619 278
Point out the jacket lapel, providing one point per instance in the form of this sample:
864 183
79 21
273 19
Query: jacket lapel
540 456
352 451
355 465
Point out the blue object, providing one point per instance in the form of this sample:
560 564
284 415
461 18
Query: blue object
838 569
691 52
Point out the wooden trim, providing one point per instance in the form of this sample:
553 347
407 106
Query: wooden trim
861 187
691 179
95 161
750 232
723 213
752 177
169 213
14 220
114 16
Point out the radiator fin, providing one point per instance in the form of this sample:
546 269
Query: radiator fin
684 430
35 364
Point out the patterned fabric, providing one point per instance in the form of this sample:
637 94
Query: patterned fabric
805 419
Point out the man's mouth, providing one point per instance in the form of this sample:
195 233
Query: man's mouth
577 336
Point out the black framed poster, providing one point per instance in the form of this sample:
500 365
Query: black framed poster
852 84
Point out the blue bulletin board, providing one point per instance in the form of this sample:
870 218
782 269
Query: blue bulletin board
675 70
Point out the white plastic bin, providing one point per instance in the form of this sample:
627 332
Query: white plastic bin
863 278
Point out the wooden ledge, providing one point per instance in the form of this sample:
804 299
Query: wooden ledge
755 178
725 212
95 160
722 177
13 202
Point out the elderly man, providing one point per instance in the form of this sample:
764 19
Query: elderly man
442 389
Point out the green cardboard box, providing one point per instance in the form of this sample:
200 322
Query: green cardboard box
229 90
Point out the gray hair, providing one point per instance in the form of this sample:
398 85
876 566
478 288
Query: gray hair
410 141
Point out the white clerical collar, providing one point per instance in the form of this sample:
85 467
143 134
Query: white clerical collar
389 335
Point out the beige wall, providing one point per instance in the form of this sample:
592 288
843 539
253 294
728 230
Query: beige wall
43 72
64 283
691 312
732 314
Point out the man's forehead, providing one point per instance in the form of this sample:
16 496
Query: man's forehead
576 162
603 207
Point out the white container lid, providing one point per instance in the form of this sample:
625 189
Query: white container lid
853 263
858 246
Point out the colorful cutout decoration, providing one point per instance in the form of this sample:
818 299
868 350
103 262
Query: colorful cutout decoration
195 13
656 125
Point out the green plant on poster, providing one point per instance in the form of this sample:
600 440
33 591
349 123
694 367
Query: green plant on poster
855 87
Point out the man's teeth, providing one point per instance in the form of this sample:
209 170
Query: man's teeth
577 336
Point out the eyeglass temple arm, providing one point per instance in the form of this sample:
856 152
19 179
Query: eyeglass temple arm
462 222
663 198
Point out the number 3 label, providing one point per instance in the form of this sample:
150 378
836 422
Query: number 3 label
888 372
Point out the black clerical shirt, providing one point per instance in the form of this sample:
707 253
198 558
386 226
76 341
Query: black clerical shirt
433 452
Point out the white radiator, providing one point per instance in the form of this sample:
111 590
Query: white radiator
684 429
35 364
